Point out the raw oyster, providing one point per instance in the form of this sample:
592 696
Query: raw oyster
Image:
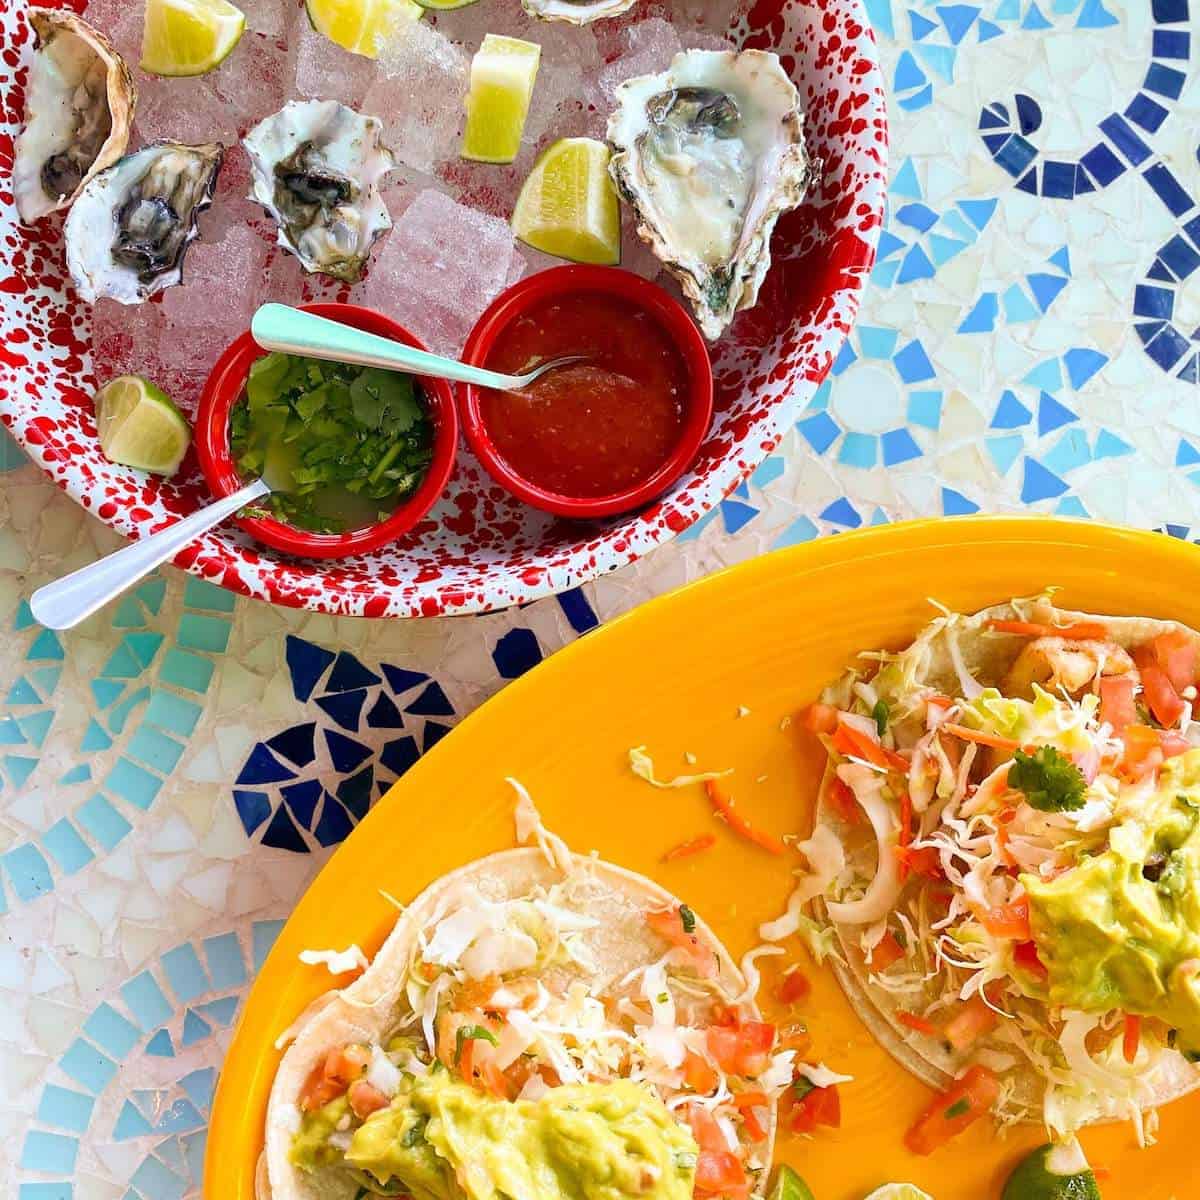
709 153
78 112
576 12
317 166
132 224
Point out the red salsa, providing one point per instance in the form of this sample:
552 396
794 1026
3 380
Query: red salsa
594 428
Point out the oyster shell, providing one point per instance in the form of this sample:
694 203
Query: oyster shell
317 166
79 104
576 12
129 229
709 153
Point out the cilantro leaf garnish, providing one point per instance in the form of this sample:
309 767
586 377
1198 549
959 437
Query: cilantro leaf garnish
470 1033
687 919
959 1108
1050 781
880 714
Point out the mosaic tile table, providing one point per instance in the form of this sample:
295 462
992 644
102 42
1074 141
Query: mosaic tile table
174 773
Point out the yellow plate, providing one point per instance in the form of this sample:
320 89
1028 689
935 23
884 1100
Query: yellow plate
673 674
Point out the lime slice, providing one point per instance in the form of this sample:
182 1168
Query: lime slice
789 1186
899 1191
139 426
1053 1172
360 25
568 205
502 75
446 5
189 37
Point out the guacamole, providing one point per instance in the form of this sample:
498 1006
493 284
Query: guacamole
441 1139
1121 930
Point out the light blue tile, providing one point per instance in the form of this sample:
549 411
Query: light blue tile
111 1031
87 1066
171 1152
81 773
120 714
925 408
144 646
263 938
225 964
193 1149
199 1087
65 1109
46 1191
19 767
130 1124
160 1045
181 1117
66 847
172 712
152 747
210 634
184 972
199 593
29 872
53 1153
859 450
187 671
133 783
102 821
146 1001
46 646
155 1182
151 593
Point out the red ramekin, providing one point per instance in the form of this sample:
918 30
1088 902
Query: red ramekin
225 387
635 291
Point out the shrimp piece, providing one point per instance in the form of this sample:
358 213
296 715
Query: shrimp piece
1056 663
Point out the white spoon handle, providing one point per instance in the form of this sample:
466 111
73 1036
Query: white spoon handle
71 599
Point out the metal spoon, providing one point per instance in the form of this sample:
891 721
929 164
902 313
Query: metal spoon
73 598
280 327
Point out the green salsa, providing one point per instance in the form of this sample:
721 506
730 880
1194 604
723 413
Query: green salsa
340 445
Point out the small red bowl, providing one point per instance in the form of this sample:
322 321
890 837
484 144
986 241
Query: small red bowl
637 292
224 389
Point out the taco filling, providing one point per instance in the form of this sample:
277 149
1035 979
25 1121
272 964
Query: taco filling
1007 850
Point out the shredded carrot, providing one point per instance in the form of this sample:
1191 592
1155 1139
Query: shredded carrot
906 834
738 823
696 845
978 735
749 1099
920 1024
1132 1037
855 744
939 701
1085 631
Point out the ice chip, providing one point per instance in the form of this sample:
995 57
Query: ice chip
324 71
274 18
649 47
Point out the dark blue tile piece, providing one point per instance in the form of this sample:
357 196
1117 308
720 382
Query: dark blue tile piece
306 663
253 808
1029 114
344 752
842 512
1122 135
1169 12
1159 271
345 707
908 74
1168 189
401 680
1016 155
384 714
1171 43
302 799
516 652
1192 229
1039 484
1010 412
355 792
1082 183
913 363
1028 183
399 755
262 766
958 19
1146 113
1102 164
296 744
989 119
1168 348
1190 371
993 141
1058 180
1152 301
433 734
578 610
1149 331
283 834
1180 257
1177 531
432 702
1165 81
917 216
916 265
349 673
335 825
1082 363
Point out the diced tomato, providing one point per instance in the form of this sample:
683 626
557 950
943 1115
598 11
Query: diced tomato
330 1078
966 1100
912 1021
1080 631
1132 1037
844 802
705 1129
1175 652
746 1103
980 737
969 1023
820 718
1116 700
365 1099
1146 749
820 1106
795 987
1025 956
924 861
698 1074
742 1049
1008 920
668 924
719 1171
1165 702
851 741
887 951
738 823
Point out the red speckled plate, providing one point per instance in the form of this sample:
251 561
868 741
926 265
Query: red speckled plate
479 549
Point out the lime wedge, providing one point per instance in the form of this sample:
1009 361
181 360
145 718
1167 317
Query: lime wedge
502 75
1053 1172
360 25
568 204
789 1186
446 5
139 426
189 37
899 1191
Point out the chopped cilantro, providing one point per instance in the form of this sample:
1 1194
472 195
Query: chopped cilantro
801 1086
880 714
1050 781
413 1134
471 1033
687 918
959 1108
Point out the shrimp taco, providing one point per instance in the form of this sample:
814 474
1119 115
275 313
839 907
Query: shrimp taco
1006 857
538 1024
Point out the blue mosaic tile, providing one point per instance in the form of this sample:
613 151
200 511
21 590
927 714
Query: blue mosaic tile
221 1011
384 714
355 792
49 1152
819 430
1168 189
63 843
195 1029
344 707
432 735
1039 484
111 1031
46 1191
401 680
345 752
263 767
160 1045
87 1066
432 702
28 872
153 1181
102 822
1164 81
799 531
188 671
302 798
154 749
199 593
186 976
63 1108
46 646
306 663
151 592
578 610
283 834
399 755
133 783
263 935
253 808
130 1124
516 652
144 998
223 954
19 767
172 712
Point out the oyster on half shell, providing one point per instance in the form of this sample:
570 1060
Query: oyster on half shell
709 153
79 105
317 167
576 12
129 229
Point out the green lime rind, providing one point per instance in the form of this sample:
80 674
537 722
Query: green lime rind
1034 1180
789 1186
445 5
899 1191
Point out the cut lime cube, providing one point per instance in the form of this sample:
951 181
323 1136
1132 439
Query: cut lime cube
361 26
189 37
139 427
502 77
